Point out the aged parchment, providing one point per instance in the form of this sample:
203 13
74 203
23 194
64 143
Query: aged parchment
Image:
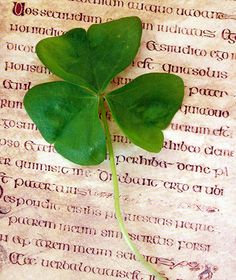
57 219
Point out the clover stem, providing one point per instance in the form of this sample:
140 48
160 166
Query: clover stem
118 213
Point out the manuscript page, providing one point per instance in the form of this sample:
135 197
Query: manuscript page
57 218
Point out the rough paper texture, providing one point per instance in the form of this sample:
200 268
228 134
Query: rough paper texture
57 218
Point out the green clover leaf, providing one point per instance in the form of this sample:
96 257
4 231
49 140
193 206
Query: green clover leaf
91 59
67 112
145 106
67 116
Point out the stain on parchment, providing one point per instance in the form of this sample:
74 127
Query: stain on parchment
4 210
3 257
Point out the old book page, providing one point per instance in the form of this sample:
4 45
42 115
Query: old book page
57 219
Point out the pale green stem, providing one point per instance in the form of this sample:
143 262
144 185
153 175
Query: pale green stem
119 217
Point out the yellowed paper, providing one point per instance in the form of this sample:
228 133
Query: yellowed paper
57 218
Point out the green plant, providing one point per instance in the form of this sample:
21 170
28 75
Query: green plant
67 112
